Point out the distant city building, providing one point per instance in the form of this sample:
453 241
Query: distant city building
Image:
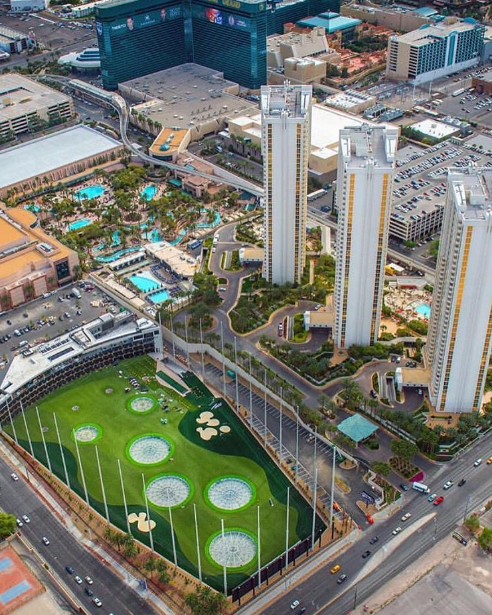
13 41
460 329
332 22
146 36
31 262
435 51
28 6
24 102
286 131
366 162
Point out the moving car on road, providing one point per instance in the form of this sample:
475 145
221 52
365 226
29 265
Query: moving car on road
396 531
477 462
432 497
448 484
335 569
439 500
341 579
45 540
295 604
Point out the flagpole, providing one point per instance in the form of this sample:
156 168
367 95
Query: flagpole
281 421
44 441
81 467
148 514
172 537
266 404
201 347
172 333
237 375
333 466
224 390
124 497
297 444
315 487
199 561
287 530
61 452
27 430
224 566
12 423
102 485
259 545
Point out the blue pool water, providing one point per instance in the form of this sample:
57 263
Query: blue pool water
215 222
78 224
144 284
32 207
14 592
91 192
153 235
112 257
159 297
148 193
115 239
98 248
179 238
423 309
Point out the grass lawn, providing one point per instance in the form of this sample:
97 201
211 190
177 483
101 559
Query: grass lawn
195 462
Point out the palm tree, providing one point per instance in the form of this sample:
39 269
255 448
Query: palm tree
150 565
163 574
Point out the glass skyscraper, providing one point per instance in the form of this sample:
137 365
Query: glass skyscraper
139 37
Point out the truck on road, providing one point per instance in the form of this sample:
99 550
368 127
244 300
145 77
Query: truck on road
421 487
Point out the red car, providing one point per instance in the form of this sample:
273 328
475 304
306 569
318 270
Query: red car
438 500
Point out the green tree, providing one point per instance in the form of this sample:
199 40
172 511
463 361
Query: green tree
472 523
485 539
7 524
381 468
206 602
404 449
163 575
150 565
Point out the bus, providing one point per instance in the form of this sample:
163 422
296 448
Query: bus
421 487
316 195
193 245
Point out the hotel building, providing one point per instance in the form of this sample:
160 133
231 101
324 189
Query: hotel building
366 162
459 338
286 131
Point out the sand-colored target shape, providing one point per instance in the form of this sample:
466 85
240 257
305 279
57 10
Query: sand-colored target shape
205 417
141 519
225 429
208 433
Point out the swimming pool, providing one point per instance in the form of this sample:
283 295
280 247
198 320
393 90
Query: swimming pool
143 283
90 192
424 309
153 236
148 192
32 207
215 222
180 237
78 224
159 297
115 239
112 257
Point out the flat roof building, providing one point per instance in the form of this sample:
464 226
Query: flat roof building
55 157
181 264
31 261
25 104
367 157
286 132
460 328
435 51
331 23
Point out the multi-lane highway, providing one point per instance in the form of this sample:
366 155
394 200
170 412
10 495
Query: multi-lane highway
18 498
321 595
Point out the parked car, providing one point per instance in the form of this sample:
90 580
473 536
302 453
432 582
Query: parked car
77 580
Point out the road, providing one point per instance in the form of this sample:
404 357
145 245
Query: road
19 498
320 593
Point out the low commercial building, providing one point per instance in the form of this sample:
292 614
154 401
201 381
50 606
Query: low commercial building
251 256
25 103
332 23
54 157
32 263
179 263
280 47
13 41
351 101
435 130
396 17
483 84
170 143
435 51
85 62
28 6
88 8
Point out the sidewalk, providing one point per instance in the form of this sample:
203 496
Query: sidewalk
96 549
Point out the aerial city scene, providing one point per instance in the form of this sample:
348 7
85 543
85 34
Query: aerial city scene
245 307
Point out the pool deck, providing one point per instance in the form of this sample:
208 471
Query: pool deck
17 584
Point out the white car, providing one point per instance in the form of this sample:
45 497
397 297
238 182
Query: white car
14 476
77 580
477 462
406 516
97 602
396 531
448 484
19 522
26 519
432 497
294 604
45 540
88 580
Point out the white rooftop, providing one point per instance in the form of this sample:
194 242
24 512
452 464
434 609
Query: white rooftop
434 129
40 156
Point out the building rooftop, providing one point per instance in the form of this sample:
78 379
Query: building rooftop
68 346
360 144
349 99
357 428
434 129
291 100
186 96
331 22
40 156
180 262
299 45
472 192
427 34
21 96
167 141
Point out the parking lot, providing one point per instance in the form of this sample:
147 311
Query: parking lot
46 318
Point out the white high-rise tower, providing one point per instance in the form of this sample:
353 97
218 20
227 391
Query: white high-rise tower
460 328
366 162
286 144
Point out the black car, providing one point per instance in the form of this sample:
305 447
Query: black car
462 482
341 579
404 487
366 554
88 591
69 569
301 611
374 540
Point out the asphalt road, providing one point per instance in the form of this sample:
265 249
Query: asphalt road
321 595
19 498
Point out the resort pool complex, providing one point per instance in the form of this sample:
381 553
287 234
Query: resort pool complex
159 297
78 224
148 193
424 309
145 282
90 192
113 257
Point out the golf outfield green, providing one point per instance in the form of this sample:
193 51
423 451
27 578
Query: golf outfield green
157 443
